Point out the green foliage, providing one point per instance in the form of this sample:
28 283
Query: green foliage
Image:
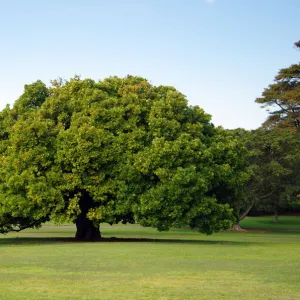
234 174
274 165
115 150
284 95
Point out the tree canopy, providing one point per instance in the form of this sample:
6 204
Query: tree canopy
117 150
284 95
274 164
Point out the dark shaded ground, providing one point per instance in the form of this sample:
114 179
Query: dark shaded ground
53 240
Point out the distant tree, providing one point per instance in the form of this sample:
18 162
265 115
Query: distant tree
118 150
284 95
274 164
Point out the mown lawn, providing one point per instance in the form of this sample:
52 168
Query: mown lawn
180 264
284 223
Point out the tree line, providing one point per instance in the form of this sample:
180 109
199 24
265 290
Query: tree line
123 150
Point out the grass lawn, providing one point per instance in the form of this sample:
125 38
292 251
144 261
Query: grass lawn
180 264
284 223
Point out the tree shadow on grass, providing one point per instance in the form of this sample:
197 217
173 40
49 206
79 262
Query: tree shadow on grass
61 240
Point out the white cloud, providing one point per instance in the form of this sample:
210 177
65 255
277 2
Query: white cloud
210 1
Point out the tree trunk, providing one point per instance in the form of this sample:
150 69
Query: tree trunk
86 230
246 212
276 216
237 227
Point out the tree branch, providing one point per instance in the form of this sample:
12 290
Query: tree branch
284 109
267 195
246 212
10 227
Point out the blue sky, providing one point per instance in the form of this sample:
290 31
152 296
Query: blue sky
221 54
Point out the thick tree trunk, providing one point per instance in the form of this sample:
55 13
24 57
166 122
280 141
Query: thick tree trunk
86 230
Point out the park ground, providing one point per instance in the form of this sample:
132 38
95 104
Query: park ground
142 263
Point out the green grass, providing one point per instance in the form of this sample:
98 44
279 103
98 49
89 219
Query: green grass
285 223
180 264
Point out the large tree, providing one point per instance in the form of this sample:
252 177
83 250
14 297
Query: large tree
282 98
274 164
110 151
